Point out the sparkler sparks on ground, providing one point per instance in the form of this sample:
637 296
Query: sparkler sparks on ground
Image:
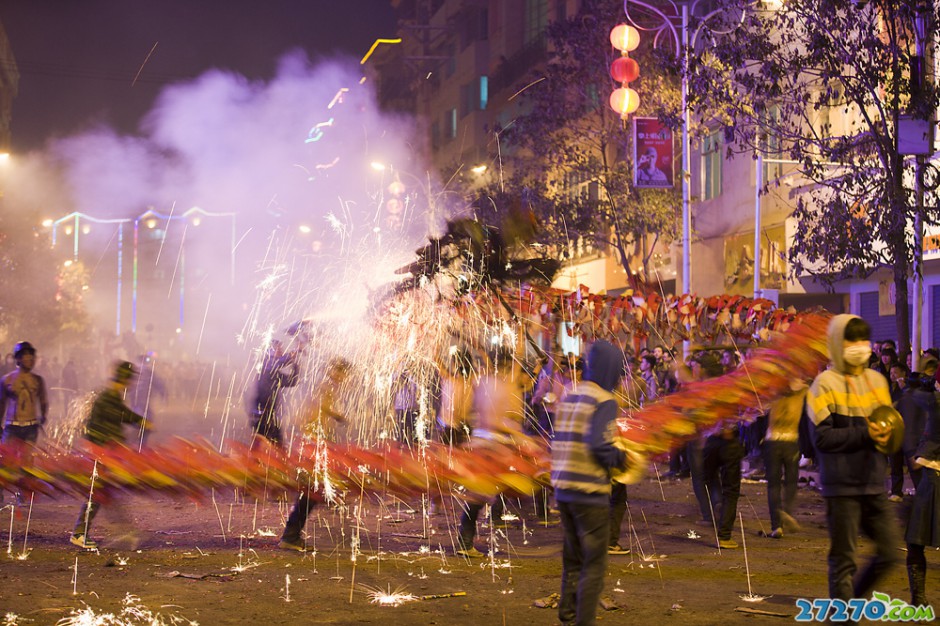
133 613
389 597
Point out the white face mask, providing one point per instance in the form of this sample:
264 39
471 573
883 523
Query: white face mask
857 354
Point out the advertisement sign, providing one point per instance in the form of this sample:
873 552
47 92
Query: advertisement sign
652 154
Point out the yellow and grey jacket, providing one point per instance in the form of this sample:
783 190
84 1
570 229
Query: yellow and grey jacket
839 405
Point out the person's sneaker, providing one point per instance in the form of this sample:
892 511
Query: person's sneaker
727 544
777 533
895 498
617 549
470 553
293 545
83 542
789 523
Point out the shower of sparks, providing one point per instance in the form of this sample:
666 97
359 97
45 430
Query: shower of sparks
286 595
132 613
390 598
693 535
753 598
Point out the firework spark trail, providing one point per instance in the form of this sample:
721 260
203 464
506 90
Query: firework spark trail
205 413
760 405
147 58
202 329
179 259
219 515
533 83
354 541
756 516
165 231
659 480
29 516
226 411
142 430
91 492
10 536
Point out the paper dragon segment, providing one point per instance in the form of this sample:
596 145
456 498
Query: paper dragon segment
192 469
799 352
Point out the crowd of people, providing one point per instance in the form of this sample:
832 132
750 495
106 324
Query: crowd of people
570 405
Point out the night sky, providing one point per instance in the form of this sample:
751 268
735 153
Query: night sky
78 60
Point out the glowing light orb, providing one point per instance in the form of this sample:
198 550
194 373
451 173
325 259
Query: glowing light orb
624 70
624 101
624 38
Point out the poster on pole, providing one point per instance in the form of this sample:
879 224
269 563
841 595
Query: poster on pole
652 154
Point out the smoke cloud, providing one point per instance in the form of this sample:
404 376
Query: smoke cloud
263 208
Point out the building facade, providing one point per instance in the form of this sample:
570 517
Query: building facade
459 65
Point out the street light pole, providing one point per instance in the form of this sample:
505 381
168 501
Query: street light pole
758 183
686 161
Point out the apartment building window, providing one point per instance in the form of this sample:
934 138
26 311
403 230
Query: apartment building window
473 26
711 165
484 92
450 65
772 145
467 98
450 123
435 135
536 19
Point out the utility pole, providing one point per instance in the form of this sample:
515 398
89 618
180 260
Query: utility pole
923 29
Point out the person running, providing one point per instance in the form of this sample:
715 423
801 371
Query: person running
320 425
105 427
278 371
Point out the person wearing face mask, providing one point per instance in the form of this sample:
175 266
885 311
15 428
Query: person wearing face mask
852 470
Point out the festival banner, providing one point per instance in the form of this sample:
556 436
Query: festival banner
652 154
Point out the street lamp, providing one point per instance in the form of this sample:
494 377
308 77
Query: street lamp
74 228
150 218
683 40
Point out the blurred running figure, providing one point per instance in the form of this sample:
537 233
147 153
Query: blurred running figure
321 421
105 427
278 370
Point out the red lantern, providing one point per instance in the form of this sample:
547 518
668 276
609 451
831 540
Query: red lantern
624 38
624 70
624 101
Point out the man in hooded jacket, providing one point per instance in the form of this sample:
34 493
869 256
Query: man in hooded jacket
583 457
852 470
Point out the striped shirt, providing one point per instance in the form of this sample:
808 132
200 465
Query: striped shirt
575 466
